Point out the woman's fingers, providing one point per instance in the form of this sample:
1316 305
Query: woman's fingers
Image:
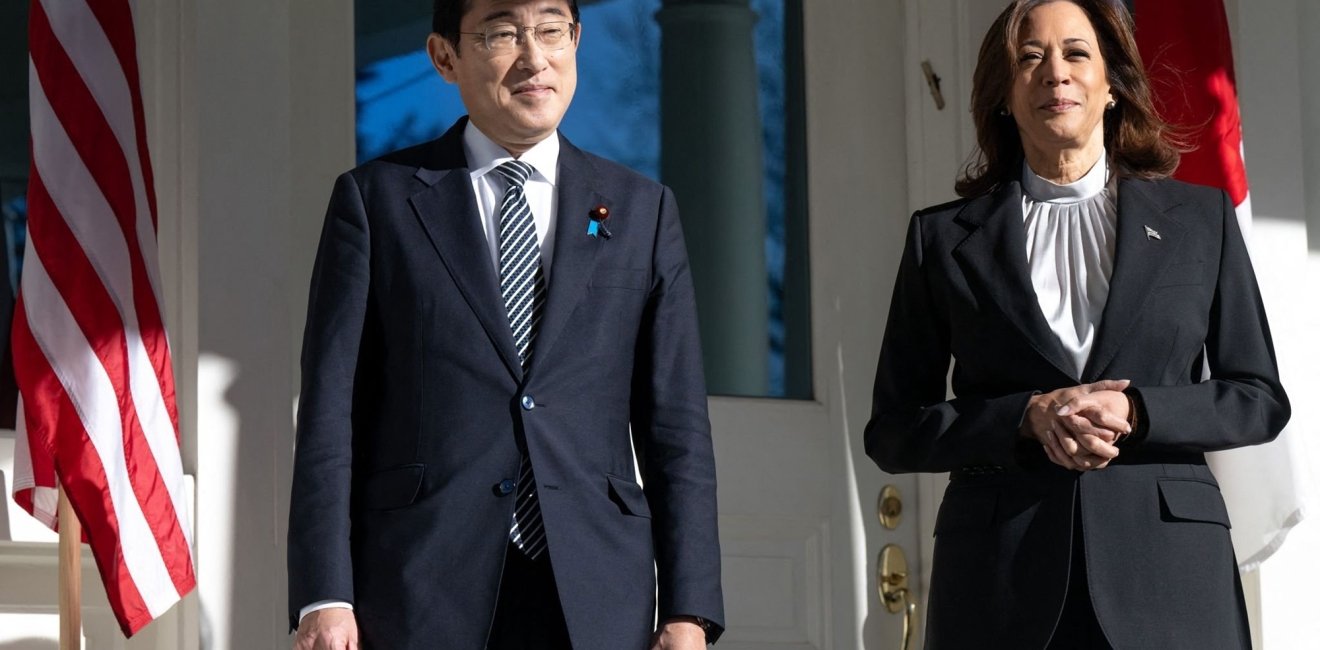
1066 441
1067 395
1081 425
1117 385
1097 446
1106 419
1081 451
1104 410
1055 452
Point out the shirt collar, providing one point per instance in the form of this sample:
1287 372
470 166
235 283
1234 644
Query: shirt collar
483 155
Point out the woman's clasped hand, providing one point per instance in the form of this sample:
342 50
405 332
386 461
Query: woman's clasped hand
1080 427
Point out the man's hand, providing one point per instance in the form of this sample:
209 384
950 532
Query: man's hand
679 634
332 628
1078 426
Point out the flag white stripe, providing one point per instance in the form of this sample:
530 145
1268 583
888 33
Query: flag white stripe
45 501
88 386
80 35
74 192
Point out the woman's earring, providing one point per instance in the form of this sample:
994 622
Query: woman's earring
1004 112
1110 106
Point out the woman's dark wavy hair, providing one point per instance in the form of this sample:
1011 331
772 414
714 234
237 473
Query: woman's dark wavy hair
446 15
1139 143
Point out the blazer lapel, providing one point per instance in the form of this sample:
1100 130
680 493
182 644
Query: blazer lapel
994 259
1148 239
448 212
575 252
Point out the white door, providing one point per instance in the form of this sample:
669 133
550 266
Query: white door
798 496
943 42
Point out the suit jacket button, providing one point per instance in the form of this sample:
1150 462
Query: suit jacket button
507 486
528 403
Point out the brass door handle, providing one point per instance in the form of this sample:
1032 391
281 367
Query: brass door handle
892 582
909 621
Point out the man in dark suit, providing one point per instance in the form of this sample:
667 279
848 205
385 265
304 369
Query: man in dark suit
499 325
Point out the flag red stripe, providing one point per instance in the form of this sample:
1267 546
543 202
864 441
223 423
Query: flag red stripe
95 141
99 321
50 415
1189 59
116 18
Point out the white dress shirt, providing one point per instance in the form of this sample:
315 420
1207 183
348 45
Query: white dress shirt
483 156
1070 249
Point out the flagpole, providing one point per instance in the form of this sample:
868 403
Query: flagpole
70 576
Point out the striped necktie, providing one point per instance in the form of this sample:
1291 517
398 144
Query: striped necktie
523 285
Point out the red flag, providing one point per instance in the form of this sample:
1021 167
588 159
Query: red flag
1189 59
90 352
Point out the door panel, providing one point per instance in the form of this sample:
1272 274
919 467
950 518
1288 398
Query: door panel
797 492
948 35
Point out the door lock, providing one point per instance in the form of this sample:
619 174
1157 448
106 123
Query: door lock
889 507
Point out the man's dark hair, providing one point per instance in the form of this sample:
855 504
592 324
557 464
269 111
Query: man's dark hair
448 15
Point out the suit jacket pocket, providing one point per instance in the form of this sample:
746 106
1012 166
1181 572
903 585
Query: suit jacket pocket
634 279
1181 275
628 496
1191 500
392 488
967 508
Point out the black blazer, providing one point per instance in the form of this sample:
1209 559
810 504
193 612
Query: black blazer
412 411
1158 553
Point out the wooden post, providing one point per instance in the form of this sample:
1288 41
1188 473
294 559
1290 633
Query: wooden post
70 576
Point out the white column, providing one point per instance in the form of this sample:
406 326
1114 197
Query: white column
268 117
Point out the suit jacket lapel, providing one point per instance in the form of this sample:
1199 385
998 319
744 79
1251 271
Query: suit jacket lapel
575 252
1139 260
448 212
994 259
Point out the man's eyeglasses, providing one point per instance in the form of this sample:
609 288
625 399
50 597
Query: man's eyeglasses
505 38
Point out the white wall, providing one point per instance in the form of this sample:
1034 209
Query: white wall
268 121
1279 93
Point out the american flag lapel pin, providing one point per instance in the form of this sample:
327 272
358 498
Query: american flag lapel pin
1152 233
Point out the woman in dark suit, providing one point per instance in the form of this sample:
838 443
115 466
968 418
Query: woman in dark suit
1079 292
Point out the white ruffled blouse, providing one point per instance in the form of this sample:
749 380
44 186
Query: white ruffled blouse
1070 249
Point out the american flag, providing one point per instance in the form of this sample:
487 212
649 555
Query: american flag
97 411
1188 54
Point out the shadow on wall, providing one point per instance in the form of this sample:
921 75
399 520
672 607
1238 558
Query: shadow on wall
31 643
